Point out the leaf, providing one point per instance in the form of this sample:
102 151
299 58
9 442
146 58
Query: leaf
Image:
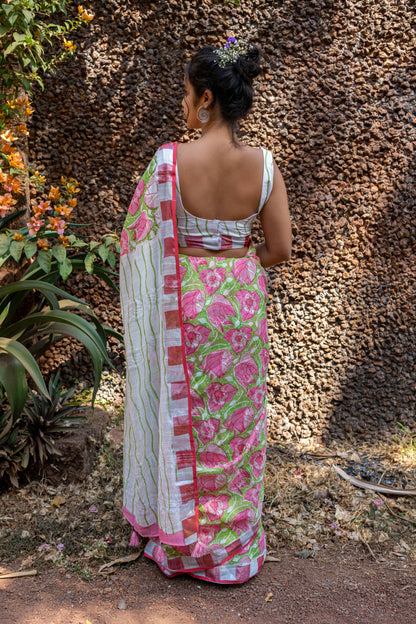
103 252
65 269
93 245
4 244
26 358
89 262
16 249
58 501
13 379
45 259
59 252
269 597
10 48
30 249
111 259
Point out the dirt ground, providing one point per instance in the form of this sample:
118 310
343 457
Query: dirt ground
339 586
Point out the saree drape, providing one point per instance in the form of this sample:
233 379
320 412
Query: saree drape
195 412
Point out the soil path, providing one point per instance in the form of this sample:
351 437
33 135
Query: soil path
334 588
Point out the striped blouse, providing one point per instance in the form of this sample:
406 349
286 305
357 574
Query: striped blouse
216 234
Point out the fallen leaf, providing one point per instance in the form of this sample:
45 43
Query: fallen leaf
270 559
269 597
58 501
121 560
306 554
18 574
122 604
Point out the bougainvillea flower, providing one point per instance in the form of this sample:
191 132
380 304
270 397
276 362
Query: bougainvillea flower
43 243
63 240
8 136
57 224
69 45
34 225
15 161
54 193
64 210
39 178
18 237
72 202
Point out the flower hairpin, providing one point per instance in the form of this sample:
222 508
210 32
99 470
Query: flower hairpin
232 50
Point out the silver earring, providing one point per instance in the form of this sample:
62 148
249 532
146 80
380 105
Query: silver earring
203 115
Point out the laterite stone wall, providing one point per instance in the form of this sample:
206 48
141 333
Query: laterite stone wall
336 105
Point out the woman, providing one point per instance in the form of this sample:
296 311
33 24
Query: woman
193 294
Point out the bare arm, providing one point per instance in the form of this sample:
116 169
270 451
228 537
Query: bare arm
275 221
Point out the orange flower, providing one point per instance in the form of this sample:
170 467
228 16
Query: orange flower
63 179
39 178
10 183
43 243
57 224
7 200
64 210
16 161
22 101
72 202
34 225
69 45
18 237
54 193
7 149
42 208
22 129
72 189
29 110
63 240
8 136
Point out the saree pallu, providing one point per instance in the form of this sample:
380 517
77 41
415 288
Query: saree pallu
195 414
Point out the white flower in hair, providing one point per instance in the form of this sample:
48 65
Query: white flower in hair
232 50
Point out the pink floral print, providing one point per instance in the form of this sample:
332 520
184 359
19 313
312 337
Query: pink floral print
195 336
246 371
249 302
220 312
192 303
219 395
238 338
135 202
245 270
217 363
212 279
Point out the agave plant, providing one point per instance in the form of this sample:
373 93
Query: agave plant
11 446
53 314
44 418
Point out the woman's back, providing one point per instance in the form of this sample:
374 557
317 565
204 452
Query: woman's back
219 180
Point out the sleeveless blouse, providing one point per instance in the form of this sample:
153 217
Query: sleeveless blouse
216 234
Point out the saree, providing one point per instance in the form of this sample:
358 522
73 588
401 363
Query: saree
195 412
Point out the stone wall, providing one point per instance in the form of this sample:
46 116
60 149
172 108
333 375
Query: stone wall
336 105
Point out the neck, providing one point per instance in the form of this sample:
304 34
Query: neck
217 129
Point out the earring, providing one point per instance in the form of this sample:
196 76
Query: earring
203 115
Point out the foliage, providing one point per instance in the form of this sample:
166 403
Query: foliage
46 238
24 339
406 440
44 418
26 32
28 440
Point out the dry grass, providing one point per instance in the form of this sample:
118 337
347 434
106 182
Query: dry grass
306 507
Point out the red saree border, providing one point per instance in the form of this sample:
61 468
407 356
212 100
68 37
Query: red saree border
185 367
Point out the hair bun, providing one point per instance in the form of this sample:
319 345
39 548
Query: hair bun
248 64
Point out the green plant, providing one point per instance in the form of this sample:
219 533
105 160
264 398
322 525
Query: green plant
406 439
46 321
27 33
44 418
11 447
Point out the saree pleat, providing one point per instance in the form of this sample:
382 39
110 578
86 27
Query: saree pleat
219 433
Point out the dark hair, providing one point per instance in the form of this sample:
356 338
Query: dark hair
231 85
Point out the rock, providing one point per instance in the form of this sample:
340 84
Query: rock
77 449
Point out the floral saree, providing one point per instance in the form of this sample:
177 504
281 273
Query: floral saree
195 413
